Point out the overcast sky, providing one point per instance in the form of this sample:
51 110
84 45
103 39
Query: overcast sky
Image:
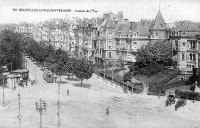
134 10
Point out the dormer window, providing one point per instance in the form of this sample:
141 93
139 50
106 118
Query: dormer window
156 34
135 34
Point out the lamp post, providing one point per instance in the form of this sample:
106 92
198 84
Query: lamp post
104 69
19 116
58 104
39 108
3 92
112 70
5 69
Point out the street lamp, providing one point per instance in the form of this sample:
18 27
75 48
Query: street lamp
104 68
112 70
4 69
58 104
3 92
19 116
39 108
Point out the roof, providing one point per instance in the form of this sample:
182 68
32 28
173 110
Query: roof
187 27
107 24
142 30
118 28
99 21
159 22
126 29
20 71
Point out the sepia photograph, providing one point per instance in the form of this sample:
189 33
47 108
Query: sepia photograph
99 63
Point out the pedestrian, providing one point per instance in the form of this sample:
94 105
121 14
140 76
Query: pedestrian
67 92
107 111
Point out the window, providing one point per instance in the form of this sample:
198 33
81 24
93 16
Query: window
193 57
176 43
135 34
156 34
183 56
109 55
110 44
190 56
184 44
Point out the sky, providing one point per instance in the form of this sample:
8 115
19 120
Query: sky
134 10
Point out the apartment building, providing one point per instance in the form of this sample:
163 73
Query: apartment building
26 29
185 40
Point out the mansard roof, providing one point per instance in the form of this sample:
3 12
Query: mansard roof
187 27
143 30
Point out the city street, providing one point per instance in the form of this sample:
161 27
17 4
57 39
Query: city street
85 107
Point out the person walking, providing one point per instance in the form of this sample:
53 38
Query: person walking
67 92
107 111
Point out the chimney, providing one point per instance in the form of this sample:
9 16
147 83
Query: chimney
126 20
105 16
132 23
120 15
116 22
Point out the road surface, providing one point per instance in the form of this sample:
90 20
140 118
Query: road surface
85 107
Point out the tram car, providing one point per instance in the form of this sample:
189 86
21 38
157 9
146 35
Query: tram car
48 76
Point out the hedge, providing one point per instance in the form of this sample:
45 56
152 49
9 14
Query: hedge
118 80
187 94
169 77
160 88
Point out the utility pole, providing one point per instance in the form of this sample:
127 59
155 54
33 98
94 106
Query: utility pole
58 104
123 69
3 92
19 116
40 107
112 70
35 73
104 69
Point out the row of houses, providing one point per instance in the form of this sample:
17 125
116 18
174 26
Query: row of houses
114 38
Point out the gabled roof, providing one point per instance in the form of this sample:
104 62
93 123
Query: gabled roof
159 22
107 24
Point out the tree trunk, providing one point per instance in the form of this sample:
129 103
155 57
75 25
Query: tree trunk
81 82
68 75
132 88
72 75
60 78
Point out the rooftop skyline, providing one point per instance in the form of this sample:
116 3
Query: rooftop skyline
134 10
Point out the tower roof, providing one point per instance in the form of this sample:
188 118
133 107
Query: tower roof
159 22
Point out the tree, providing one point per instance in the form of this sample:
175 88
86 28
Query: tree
10 49
69 66
152 57
83 70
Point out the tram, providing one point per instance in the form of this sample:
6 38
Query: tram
48 76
